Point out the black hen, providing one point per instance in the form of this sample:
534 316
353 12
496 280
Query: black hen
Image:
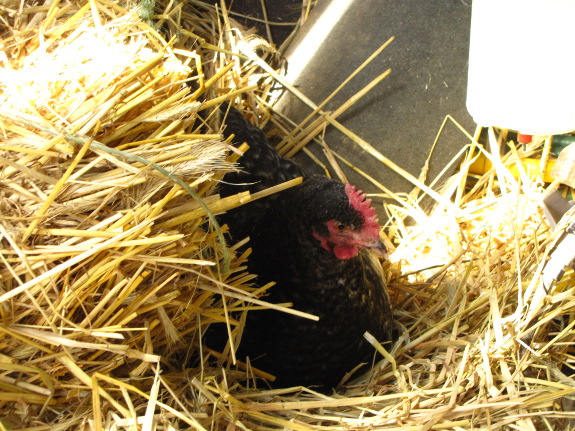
308 239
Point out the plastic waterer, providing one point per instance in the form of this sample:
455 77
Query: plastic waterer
522 65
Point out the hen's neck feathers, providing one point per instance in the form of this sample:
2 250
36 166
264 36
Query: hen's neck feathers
284 237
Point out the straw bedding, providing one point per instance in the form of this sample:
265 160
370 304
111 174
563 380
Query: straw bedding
112 265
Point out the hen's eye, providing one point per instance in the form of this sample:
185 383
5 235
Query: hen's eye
340 227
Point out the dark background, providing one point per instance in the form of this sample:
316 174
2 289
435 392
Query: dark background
403 114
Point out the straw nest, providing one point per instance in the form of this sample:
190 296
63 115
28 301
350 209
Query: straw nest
112 265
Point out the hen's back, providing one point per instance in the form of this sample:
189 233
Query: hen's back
261 167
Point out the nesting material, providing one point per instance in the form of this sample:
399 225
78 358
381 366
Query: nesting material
112 266
109 254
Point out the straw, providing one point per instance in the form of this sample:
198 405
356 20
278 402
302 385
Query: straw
113 265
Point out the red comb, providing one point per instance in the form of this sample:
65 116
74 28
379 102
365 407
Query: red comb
359 202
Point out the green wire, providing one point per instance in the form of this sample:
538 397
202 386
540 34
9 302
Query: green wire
146 11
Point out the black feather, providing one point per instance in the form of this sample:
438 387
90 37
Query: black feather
349 296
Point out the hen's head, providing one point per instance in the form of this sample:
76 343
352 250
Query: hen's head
349 223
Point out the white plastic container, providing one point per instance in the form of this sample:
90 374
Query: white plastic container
522 65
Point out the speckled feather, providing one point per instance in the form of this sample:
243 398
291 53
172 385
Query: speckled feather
261 168
349 295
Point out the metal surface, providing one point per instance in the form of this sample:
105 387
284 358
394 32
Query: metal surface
403 114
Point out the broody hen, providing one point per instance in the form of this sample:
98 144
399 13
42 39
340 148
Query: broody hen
311 241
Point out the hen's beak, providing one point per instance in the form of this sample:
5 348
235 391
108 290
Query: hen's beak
380 249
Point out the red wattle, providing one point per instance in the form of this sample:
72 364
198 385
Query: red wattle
345 251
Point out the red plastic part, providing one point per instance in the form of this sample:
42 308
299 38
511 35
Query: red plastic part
524 139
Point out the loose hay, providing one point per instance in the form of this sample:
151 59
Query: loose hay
111 268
